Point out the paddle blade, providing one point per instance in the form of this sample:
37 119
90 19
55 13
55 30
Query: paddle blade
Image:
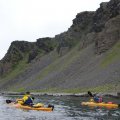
51 106
89 93
8 101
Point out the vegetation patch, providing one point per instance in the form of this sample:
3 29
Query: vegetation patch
18 69
112 55
102 88
20 90
47 90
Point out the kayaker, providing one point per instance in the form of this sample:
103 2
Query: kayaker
95 98
98 99
26 100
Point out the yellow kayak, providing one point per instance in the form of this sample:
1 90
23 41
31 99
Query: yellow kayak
103 104
34 107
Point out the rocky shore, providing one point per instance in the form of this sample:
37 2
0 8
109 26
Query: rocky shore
112 94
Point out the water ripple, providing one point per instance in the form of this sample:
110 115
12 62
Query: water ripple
66 108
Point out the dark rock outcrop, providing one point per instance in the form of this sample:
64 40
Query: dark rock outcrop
106 11
18 50
109 36
82 25
32 55
15 53
46 44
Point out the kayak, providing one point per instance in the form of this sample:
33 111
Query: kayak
103 104
31 108
34 107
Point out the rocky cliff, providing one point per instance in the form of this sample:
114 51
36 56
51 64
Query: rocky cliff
86 56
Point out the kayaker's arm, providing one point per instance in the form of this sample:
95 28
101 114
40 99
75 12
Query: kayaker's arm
19 100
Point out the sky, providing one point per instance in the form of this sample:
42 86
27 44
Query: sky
32 19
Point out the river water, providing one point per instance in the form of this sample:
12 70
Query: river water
66 108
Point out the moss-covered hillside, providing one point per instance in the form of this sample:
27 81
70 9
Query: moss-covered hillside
85 57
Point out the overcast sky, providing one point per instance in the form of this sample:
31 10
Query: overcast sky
32 19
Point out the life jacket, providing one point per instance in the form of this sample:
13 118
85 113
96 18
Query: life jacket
98 99
27 100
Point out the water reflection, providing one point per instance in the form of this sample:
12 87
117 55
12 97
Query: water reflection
66 108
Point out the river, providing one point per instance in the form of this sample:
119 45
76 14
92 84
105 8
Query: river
66 108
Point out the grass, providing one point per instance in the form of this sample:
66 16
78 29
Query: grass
112 55
20 90
48 90
18 69
103 88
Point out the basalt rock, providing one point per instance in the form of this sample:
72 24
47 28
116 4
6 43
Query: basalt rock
106 11
15 54
47 44
82 25
109 36
19 49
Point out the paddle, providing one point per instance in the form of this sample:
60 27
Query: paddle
9 101
89 93
51 106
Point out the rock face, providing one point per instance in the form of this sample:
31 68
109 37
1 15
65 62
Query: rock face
94 27
104 13
19 49
109 36
15 54
81 26
46 44
106 25
75 51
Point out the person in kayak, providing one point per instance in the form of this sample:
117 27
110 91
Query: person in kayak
26 100
98 99
95 98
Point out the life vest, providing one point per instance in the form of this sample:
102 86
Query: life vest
27 100
98 99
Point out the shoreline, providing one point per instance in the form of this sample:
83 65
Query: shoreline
107 94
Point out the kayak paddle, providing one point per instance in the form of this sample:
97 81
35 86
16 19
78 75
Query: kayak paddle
9 101
89 93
